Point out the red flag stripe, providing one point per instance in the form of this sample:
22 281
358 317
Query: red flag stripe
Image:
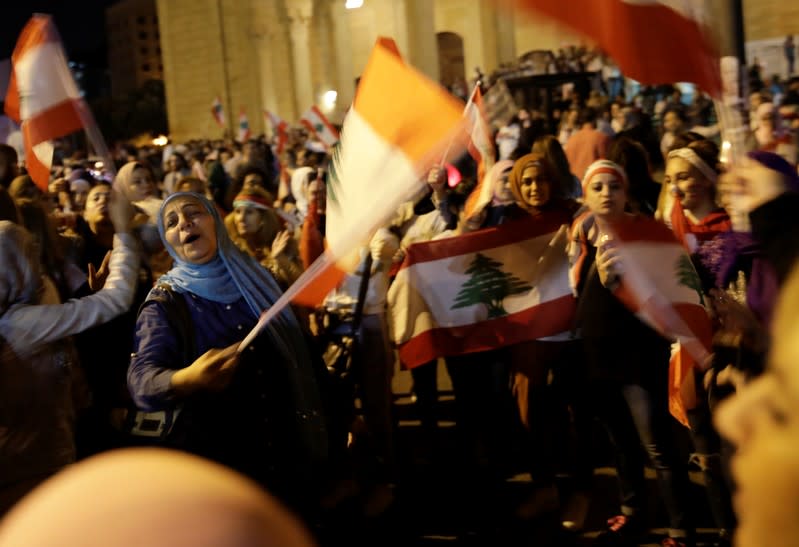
651 42
315 293
546 319
54 122
489 238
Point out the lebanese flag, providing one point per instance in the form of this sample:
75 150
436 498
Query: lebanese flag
218 112
653 41
318 125
244 127
481 149
280 129
483 290
660 285
42 95
399 125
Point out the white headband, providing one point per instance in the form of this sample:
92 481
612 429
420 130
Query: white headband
693 158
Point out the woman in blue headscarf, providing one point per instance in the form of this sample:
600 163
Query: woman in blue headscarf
257 411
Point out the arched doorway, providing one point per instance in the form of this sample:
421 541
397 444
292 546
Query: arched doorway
450 59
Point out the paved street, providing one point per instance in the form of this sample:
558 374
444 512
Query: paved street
442 502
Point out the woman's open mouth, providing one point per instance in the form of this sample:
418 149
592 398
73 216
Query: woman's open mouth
191 239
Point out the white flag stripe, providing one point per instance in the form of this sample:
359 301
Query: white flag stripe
379 176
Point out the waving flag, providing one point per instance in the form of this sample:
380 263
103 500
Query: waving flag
280 129
483 290
482 151
42 95
244 127
318 125
653 41
399 125
218 113
660 285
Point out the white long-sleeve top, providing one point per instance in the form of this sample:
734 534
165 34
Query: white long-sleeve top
27 327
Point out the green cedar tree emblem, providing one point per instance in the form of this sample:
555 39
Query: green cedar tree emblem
489 285
686 275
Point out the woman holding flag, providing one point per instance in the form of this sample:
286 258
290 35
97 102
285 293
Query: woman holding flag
628 360
254 409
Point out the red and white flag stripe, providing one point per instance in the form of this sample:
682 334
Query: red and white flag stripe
653 41
42 95
660 285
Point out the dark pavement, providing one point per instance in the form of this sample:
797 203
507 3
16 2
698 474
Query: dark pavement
442 500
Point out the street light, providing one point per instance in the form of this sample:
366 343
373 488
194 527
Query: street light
353 4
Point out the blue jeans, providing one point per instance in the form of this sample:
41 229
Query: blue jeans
635 417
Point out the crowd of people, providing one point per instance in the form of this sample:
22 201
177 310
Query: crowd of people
124 299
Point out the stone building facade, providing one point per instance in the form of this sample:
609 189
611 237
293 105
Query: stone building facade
283 55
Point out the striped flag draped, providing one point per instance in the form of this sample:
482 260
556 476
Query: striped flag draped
42 95
483 290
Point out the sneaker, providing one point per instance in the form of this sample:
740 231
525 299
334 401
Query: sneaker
622 530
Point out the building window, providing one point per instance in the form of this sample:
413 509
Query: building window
144 51
158 51
145 67
141 19
160 68
142 36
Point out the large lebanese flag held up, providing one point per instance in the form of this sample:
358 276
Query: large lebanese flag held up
653 41
42 95
400 125
660 285
319 126
483 290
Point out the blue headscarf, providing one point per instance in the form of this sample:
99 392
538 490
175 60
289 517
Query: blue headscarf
231 275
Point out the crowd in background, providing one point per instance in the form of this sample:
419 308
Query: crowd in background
151 283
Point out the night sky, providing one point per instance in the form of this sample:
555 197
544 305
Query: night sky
80 22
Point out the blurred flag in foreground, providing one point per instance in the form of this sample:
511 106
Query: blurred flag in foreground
653 41
42 95
660 285
398 127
